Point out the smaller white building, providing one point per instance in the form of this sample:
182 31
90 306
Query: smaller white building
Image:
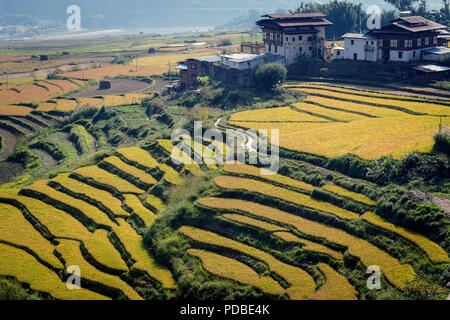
338 53
241 61
358 46
436 54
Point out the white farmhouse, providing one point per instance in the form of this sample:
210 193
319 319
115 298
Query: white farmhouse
358 46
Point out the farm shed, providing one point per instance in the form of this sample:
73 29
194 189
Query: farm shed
427 73
338 52
241 61
436 54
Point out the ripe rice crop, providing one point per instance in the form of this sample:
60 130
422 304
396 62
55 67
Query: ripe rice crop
90 102
14 228
168 146
139 174
253 222
335 114
358 197
170 175
282 114
380 112
419 107
89 211
231 269
70 251
155 203
65 85
64 105
59 223
11 110
27 93
104 177
269 190
139 156
105 198
283 127
26 269
244 169
369 93
368 139
111 101
309 245
434 252
102 251
135 98
134 245
302 284
138 208
368 253
336 286
400 276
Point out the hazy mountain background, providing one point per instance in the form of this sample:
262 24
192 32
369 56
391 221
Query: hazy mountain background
145 14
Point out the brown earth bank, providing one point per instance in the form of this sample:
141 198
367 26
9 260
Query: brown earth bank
423 197
9 171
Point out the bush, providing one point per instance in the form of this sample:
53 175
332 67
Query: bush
442 142
270 75
224 42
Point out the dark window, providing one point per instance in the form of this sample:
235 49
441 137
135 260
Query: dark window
276 49
310 48
270 48
287 39
400 55
355 56
300 38
338 53
371 42
309 38
414 54
301 49
194 66
352 42
293 39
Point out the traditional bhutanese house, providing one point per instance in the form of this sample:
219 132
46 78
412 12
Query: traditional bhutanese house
443 38
360 46
290 35
193 68
406 37
427 73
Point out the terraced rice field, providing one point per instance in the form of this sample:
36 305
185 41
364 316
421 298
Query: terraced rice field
367 124
55 223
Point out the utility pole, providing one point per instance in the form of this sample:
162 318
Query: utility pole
136 64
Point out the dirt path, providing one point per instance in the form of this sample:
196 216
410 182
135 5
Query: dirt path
423 197
9 141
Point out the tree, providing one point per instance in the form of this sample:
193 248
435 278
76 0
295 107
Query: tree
402 5
269 75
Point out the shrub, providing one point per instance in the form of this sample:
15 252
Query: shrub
269 75
442 142
224 43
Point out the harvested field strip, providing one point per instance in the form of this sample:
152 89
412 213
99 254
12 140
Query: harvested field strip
15 229
90 212
103 177
12 129
136 173
111 101
101 196
25 268
253 222
269 190
139 156
103 252
368 253
358 197
231 269
309 245
282 114
23 124
370 93
434 252
170 175
336 286
369 139
90 102
71 253
335 114
413 107
155 203
357 108
59 223
302 285
64 105
243 169
134 245
12 110
138 208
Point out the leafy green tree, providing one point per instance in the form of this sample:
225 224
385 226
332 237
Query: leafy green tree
269 75
402 5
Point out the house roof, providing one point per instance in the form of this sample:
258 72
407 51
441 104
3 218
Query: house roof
358 36
432 68
285 23
438 50
209 59
295 16
416 24
241 57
